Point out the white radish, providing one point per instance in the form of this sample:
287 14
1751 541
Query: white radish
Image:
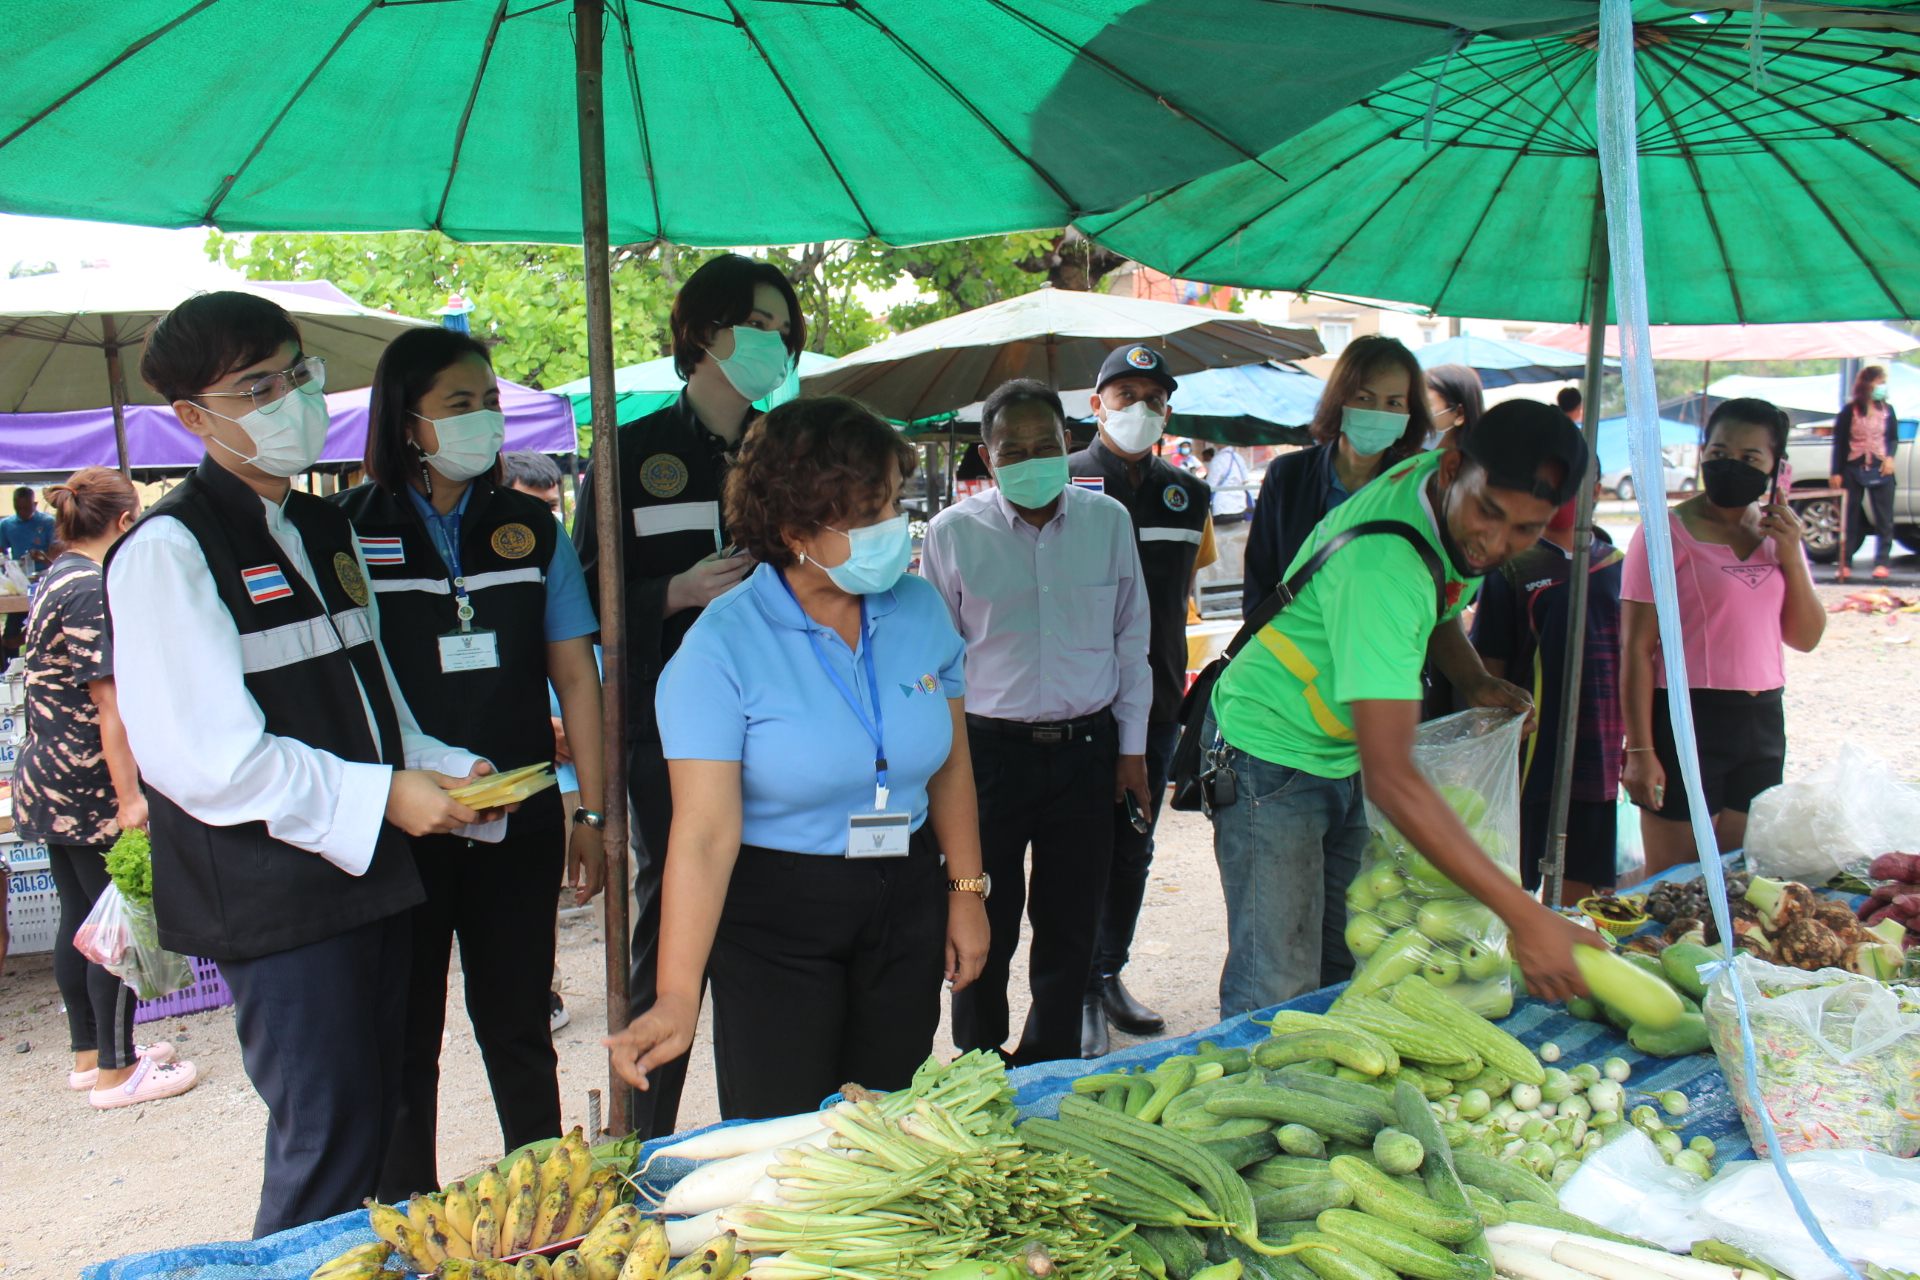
723 1182
1677 1266
1604 1265
688 1234
740 1139
1525 1264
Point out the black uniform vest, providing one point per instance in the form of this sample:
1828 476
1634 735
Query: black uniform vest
672 473
507 539
1169 512
233 893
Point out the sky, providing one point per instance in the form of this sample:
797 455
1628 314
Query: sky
67 244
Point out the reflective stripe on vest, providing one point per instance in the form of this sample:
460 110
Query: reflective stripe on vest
1171 535
477 582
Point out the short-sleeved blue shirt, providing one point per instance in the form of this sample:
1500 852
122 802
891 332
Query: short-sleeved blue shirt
35 533
746 685
569 612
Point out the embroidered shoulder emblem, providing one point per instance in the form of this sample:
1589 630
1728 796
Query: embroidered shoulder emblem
352 581
1140 358
1751 574
386 551
1175 497
663 475
265 583
513 541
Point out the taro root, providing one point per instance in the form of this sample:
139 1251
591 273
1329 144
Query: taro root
1680 926
1742 910
1646 944
1780 902
1805 943
1838 917
1748 936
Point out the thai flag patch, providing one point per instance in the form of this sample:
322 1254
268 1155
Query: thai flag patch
266 583
1096 483
383 551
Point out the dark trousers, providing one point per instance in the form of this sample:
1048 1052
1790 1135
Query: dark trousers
1132 859
655 1109
1863 483
320 1031
99 1006
498 899
825 970
1058 798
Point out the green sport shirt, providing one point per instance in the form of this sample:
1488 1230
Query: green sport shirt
1359 630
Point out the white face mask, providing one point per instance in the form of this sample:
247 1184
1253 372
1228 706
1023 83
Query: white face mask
759 363
469 442
287 440
1134 428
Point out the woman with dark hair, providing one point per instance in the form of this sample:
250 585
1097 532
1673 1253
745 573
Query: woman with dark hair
1455 400
76 787
1866 435
480 603
1372 415
737 331
1745 589
813 725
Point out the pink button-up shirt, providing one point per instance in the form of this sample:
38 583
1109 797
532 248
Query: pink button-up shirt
1055 618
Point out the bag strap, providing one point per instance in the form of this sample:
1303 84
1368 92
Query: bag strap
1287 592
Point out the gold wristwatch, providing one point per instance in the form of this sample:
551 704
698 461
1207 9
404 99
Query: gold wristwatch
981 884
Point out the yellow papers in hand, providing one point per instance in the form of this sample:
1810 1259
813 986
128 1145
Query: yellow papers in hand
511 787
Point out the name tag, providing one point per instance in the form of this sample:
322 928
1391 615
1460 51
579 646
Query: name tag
878 835
469 651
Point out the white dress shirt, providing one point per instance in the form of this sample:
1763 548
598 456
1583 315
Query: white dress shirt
1227 468
199 736
1055 618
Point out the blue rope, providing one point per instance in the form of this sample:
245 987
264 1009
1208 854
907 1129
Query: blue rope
1460 38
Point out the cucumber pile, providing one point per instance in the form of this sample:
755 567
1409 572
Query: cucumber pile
1340 1140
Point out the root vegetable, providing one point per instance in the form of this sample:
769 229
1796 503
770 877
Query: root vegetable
1604 1265
1896 866
1519 1263
724 1182
1779 902
1805 943
740 1139
1543 1239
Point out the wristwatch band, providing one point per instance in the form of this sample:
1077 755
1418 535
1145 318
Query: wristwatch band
586 817
981 884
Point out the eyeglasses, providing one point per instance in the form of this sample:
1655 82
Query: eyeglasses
308 374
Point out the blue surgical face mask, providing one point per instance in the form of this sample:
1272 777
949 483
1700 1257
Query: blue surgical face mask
759 364
880 554
1880 391
1034 483
1370 431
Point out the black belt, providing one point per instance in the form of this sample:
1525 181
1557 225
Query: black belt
1048 731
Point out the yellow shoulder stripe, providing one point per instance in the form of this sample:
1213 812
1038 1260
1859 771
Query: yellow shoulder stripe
1297 664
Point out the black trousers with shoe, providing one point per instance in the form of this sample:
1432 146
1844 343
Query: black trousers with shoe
1132 861
99 1006
656 1108
498 900
321 1028
1051 787
1866 485
825 970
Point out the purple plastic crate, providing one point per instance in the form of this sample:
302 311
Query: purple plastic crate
209 991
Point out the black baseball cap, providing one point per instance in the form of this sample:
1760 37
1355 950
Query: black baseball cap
1515 438
1135 361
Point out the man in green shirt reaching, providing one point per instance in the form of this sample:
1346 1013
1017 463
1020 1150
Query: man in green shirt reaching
1330 690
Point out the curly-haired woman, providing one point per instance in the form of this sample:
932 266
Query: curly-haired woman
813 726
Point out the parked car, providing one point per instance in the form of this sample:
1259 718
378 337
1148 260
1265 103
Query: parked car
1679 480
1810 457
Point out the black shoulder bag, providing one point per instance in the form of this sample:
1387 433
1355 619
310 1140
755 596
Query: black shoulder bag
1195 785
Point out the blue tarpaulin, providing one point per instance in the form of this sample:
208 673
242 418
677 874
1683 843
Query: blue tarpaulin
1612 450
1501 362
1247 404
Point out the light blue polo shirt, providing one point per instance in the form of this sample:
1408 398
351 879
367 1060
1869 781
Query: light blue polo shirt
746 685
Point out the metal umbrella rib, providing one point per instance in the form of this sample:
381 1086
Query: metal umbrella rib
108 69
466 113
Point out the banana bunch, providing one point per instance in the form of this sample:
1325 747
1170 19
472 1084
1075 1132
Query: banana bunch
461 1233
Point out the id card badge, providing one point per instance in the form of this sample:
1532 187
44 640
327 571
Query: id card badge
476 650
878 835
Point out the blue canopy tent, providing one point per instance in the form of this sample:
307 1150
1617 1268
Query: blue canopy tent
1611 450
1501 362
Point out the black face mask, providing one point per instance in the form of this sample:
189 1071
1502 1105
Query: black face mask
1731 483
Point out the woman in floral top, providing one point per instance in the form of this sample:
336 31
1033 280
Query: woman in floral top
76 785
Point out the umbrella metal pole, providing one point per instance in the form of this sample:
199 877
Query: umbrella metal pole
606 495
117 387
1554 862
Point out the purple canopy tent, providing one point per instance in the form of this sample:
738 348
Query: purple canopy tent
61 443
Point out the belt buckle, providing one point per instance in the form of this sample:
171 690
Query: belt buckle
1049 735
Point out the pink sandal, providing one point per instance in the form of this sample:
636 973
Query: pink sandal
148 1083
158 1052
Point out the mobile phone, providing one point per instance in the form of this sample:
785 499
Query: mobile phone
1137 818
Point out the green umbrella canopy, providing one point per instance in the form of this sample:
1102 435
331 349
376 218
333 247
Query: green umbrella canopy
1796 201
640 389
728 122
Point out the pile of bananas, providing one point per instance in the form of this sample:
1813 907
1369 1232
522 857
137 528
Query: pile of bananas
460 1233
622 1246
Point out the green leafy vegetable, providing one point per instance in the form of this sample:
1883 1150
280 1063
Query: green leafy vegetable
130 863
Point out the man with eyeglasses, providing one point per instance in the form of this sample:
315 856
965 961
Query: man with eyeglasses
283 768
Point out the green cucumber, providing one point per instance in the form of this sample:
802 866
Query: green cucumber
1304 1203
1503 1180
1138 1247
1334 1260
1176 1082
1407 1252
1379 1194
1282 1105
1181 1254
1239 1152
1492 1210
1367 1097
1258 1266
1289 1171
1348 1046
1456 1071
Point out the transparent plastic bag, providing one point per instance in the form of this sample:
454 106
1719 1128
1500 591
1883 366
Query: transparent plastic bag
1628 1186
1403 915
1839 1056
1839 817
1867 1203
122 937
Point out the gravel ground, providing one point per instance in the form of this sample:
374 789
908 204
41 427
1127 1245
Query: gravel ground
84 1186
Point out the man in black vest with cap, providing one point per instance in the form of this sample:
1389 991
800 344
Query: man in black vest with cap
283 769
1169 508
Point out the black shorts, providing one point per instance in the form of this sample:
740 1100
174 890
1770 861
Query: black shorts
1742 739
1591 832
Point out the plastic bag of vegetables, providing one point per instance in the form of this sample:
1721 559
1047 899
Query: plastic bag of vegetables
1403 915
120 933
1839 1056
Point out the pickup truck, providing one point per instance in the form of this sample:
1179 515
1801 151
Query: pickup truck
1810 454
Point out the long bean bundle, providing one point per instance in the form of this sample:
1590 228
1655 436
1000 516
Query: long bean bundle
902 1196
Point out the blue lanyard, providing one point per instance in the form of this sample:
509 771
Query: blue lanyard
448 545
876 727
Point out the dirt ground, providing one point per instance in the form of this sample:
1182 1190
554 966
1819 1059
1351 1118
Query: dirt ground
81 1186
